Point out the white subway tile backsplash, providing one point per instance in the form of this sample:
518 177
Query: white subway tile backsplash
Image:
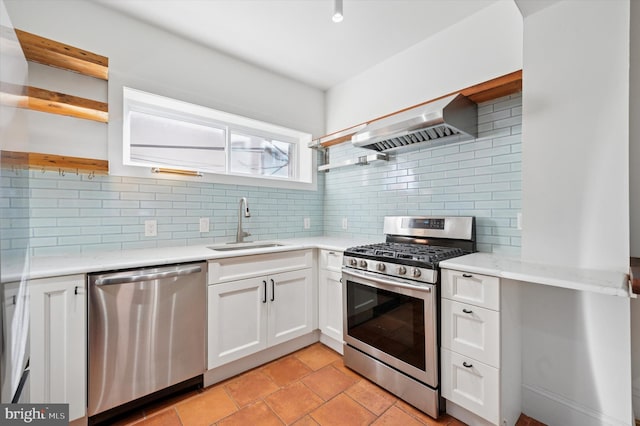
72 214
480 178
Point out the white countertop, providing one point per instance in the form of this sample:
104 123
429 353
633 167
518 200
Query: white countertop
52 266
605 282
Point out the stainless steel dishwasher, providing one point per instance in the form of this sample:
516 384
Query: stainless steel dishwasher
146 333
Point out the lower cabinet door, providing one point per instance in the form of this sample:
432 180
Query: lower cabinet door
237 320
471 384
57 314
330 304
290 305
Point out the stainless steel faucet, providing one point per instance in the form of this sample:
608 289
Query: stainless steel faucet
242 212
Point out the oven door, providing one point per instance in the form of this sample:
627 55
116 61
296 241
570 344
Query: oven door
392 320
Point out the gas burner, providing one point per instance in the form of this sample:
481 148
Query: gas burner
414 247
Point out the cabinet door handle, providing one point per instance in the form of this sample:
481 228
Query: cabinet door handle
467 275
273 290
264 286
75 290
464 364
467 311
14 299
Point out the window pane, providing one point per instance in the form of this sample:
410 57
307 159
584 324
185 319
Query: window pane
256 155
174 143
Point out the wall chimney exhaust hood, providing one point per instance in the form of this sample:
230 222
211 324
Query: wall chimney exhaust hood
450 119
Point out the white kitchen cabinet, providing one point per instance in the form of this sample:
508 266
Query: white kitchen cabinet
330 298
480 362
14 302
57 315
248 315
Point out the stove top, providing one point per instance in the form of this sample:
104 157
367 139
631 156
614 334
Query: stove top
414 247
406 254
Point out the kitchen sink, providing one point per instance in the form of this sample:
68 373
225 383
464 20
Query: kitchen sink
243 246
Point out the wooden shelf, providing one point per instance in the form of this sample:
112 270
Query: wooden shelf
49 52
52 53
50 162
483 92
63 104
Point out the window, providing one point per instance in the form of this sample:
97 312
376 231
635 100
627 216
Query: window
160 132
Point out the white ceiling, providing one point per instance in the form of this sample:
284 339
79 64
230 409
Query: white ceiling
297 38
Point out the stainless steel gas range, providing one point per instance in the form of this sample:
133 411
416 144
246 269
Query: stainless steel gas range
391 304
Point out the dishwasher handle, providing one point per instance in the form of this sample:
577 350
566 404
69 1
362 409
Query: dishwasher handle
124 279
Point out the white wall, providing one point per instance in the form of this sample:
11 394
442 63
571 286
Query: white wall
634 130
483 46
634 186
576 135
147 58
576 346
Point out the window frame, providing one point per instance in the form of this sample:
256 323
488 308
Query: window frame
303 163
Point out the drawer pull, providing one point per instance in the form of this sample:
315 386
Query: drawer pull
464 364
467 311
467 275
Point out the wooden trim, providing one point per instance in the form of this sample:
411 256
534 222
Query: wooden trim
63 104
483 92
49 52
51 162
634 276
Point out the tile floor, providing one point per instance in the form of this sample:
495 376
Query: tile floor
308 387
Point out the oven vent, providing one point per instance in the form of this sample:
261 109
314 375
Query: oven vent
450 119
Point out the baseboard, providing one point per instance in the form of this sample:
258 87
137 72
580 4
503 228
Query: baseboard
241 365
332 343
551 408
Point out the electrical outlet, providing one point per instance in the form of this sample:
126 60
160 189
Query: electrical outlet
204 224
150 228
344 223
307 223
519 221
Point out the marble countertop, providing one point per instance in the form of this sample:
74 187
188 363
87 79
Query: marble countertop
605 282
52 266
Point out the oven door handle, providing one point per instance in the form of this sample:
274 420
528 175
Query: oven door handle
376 277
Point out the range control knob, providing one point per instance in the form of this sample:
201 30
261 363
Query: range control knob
381 267
415 272
401 270
353 262
363 263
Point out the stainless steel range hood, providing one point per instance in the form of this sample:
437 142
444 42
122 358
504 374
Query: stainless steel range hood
446 120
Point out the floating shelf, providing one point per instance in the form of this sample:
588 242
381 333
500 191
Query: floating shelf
483 92
360 161
49 52
50 162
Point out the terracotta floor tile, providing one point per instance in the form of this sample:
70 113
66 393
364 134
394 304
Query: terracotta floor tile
169 402
443 419
339 364
317 356
395 416
372 397
254 414
328 382
249 387
286 370
342 411
164 418
206 408
129 419
293 402
305 421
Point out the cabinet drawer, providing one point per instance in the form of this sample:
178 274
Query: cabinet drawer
472 331
331 260
476 289
471 384
241 267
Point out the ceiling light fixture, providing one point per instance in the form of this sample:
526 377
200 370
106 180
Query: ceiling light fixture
337 11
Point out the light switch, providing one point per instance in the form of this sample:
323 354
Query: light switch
307 223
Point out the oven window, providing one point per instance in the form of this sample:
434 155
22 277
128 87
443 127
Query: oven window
390 322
